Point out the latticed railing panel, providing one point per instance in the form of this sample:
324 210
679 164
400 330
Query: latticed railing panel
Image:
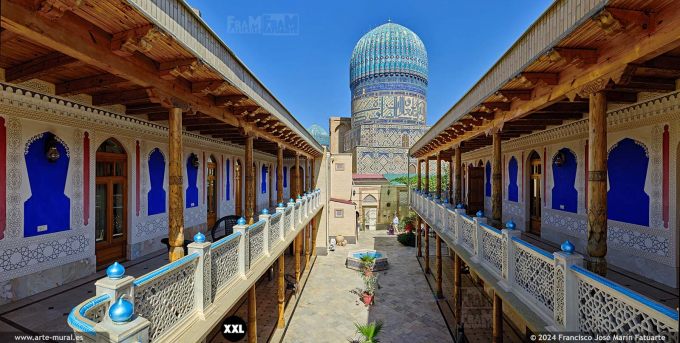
493 249
167 298
559 295
224 266
274 227
256 241
534 275
287 218
599 310
468 232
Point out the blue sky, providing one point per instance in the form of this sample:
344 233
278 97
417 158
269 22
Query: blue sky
308 70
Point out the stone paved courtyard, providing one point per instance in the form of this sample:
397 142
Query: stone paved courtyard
327 310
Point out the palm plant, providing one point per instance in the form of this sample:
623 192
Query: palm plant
369 331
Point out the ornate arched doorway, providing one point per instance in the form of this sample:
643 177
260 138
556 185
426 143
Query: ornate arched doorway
110 203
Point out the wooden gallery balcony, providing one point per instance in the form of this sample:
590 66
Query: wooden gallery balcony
184 300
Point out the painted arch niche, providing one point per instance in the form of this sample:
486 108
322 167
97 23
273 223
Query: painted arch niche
192 181
513 189
564 194
627 165
370 199
48 209
156 195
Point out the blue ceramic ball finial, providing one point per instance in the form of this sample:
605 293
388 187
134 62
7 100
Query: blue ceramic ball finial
299 196
446 200
265 211
510 225
115 271
567 247
460 206
291 200
121 311
199 238
241 221
480 214
280 204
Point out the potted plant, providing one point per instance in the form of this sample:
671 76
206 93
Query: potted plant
369 332
367 263
370 284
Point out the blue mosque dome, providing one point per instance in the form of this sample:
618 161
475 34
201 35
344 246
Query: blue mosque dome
388 77
320 134
389 49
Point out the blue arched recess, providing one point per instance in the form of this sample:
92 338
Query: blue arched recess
285 177
156 195
48 208
627 169
487 185
192 190
564 194
263 180
228 180
512 180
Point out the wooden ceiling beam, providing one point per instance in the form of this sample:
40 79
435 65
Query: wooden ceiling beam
124 97
185 68
88 84
38 67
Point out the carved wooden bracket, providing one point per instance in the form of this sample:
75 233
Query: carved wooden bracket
215 87
138 39
615 20
55 9
186 68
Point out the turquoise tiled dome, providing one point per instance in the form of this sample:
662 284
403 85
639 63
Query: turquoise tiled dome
388 49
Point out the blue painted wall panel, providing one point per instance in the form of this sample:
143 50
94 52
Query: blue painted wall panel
512 177
156 196
627 170
564 194
191 198
487 184
48 207
228 183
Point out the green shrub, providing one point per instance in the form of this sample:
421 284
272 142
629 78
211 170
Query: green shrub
407 238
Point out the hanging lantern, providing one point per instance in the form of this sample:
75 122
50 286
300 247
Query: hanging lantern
194 160
51 151
559 159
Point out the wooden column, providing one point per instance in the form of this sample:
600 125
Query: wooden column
315 230
250 180
497 319
281 292
457 194
439 177
252 315
279 175
308 243
451 177
312 179
270 186
307 178
419 237
427 175
597 184
496 181
457 283
427 248
298 247
176 186
438 266
298 177
419 183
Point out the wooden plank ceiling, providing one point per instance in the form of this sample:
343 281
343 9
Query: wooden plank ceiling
532 101
109 51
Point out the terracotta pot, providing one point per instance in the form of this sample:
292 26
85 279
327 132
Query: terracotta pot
367 299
